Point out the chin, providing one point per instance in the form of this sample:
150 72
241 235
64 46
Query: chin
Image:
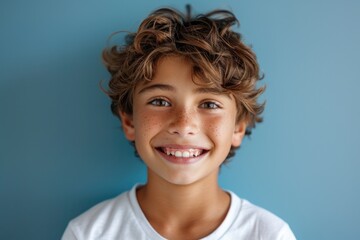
181 180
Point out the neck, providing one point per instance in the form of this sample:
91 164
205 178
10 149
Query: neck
181 205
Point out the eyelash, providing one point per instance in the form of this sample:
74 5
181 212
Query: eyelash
159 102
210 105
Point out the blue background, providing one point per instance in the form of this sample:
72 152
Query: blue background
62 151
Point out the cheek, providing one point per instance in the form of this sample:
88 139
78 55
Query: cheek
146 124
219 127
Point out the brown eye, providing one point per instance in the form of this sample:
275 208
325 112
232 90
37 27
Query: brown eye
210 105
160 102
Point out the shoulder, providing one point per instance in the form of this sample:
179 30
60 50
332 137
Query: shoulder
255 222
104 219
252 213
104 211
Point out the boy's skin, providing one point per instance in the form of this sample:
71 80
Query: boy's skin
182 198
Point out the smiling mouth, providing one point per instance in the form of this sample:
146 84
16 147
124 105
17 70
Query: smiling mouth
182 153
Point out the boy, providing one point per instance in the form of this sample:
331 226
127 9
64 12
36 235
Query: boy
185 90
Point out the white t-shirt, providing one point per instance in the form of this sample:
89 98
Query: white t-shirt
122 218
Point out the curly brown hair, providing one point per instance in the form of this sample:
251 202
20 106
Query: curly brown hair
219 57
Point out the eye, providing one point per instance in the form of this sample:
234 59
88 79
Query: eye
209 105
160 102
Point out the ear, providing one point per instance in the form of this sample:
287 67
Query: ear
127 125
239 133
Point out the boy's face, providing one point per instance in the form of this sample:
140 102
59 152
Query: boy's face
182 131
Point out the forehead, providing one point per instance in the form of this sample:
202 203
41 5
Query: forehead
172 71
169 67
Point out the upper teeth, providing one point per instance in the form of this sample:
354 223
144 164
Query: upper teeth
183 153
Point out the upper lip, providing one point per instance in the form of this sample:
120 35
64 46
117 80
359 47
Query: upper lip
182 147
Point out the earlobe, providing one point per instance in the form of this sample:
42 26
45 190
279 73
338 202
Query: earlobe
127 125
239 133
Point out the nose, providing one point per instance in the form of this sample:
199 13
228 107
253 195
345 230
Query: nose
183 123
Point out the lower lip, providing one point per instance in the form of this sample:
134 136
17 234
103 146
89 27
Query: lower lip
180 160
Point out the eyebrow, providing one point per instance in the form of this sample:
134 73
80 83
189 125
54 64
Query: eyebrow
152 87
170 88
210 90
